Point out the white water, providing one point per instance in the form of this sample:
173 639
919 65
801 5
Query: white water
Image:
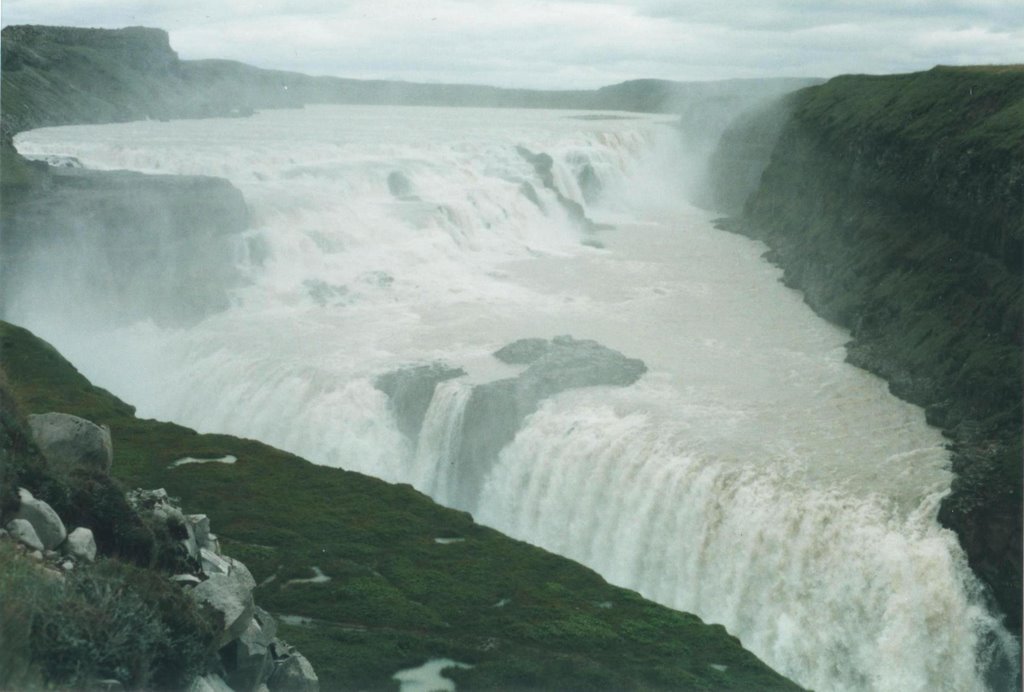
750 477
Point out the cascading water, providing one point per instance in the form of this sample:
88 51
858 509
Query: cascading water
750 476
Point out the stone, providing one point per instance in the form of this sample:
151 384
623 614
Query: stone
186 579
67 565
212 544
22 531
496 410
49 528
141 499
230 597
200 524
209 683
523 351
247 659
69 442
294 674
267 622
399 185
81 545
410 390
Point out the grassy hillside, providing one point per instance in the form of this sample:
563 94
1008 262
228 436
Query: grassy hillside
397 596
896 204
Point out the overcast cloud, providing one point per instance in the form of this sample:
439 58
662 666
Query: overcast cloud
565 43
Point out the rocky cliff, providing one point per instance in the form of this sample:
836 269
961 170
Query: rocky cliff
896 204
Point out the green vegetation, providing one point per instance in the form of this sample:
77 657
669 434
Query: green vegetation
896 204
396 596
98 622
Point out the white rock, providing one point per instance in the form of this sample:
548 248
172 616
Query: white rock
294 674
209 683
232 598
44 520
69 442
251 656
22 531
200 524
186 579
81 544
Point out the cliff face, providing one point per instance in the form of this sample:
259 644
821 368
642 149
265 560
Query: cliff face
896 204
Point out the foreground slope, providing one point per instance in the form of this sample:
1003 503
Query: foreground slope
397 596
896 204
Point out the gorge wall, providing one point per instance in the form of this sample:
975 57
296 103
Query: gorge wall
896 204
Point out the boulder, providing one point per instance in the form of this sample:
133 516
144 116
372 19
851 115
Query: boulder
186 579
247 659
222 564
22 531
209 683
232 598
293 674
44 520
200 525
81 545
69 442
267 622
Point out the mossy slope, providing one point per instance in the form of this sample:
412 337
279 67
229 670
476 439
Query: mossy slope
896 204
396 597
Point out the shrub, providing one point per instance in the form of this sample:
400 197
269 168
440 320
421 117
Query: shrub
117 621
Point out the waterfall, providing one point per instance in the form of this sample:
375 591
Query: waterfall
437 448
746 473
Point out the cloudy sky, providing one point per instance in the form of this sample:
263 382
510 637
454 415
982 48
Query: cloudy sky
565 43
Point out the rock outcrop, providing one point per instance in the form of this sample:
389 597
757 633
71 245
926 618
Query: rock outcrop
896 204
496 410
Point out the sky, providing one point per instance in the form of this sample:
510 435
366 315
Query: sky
564 44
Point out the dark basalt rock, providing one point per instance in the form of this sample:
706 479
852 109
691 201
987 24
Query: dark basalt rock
399 185
496 410
410 389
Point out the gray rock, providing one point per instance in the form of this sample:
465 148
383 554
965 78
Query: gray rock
142 500
22 531
294 674
230 597
249 658
496 410
399 185
212 544
523 351
410 389
267 622
200 524
81 545
186 579
209 683
69 442
67 565
44 520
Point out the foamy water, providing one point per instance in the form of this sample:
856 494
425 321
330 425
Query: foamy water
751 476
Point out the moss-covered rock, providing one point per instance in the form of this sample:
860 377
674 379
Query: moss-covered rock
896 204
396 596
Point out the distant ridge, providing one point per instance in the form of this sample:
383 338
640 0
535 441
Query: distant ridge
69 75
